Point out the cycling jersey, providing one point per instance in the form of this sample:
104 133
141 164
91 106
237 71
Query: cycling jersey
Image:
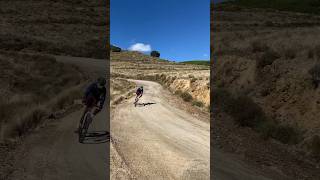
99 94
139 91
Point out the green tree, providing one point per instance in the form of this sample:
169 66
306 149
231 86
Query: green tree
155 54
115 48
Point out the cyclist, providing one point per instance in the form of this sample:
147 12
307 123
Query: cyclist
95 94
139 94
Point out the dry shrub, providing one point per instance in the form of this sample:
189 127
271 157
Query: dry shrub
267 58
290 53
249 114
197 103
246 112
28 121
286 134
269 23
38 77
178 92
191 76
222 99
258 46
310 53
67 98
193 80
315 74
7 110
314 146
186 96
317 51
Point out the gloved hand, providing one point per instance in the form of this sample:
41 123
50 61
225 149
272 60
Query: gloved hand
96 111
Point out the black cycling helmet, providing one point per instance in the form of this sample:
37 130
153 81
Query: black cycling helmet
101 81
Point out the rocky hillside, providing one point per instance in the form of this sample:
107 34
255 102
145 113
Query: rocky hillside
189 81
266 77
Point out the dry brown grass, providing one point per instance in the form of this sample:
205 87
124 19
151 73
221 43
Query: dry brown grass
275 67
74 28
29 83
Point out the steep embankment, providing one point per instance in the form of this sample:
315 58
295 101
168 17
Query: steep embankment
263 81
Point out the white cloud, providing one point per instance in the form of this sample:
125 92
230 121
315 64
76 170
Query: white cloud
140 47
205 55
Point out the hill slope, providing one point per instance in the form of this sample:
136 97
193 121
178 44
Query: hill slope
267 94
76 28
306 6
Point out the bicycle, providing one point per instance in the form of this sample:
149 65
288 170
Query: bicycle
84 124
136 101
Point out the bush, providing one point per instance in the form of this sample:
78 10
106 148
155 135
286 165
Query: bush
283 133
178 92
191 76
197 103
242 109
29 121
310 54
193 80
267 58
266 129
246 112
269 23
249 114
286 134
315 74
155 54
290 53
222 99
315 146
317 51
186 96
258 46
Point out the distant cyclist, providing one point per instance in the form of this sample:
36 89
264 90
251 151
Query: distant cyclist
139 94
94 96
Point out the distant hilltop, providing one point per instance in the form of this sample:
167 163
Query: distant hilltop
306 6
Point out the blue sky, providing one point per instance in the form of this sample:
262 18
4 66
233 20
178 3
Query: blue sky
178 29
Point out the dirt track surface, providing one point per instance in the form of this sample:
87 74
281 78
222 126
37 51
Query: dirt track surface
159 141
53 152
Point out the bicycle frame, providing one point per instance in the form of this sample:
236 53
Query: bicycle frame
84 124
136 100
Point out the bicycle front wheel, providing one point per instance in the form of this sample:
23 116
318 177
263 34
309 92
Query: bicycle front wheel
84 127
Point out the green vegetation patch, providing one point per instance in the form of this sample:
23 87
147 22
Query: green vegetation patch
206 63
305 6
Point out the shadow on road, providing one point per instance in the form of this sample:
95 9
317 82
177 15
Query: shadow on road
144 104
97 137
